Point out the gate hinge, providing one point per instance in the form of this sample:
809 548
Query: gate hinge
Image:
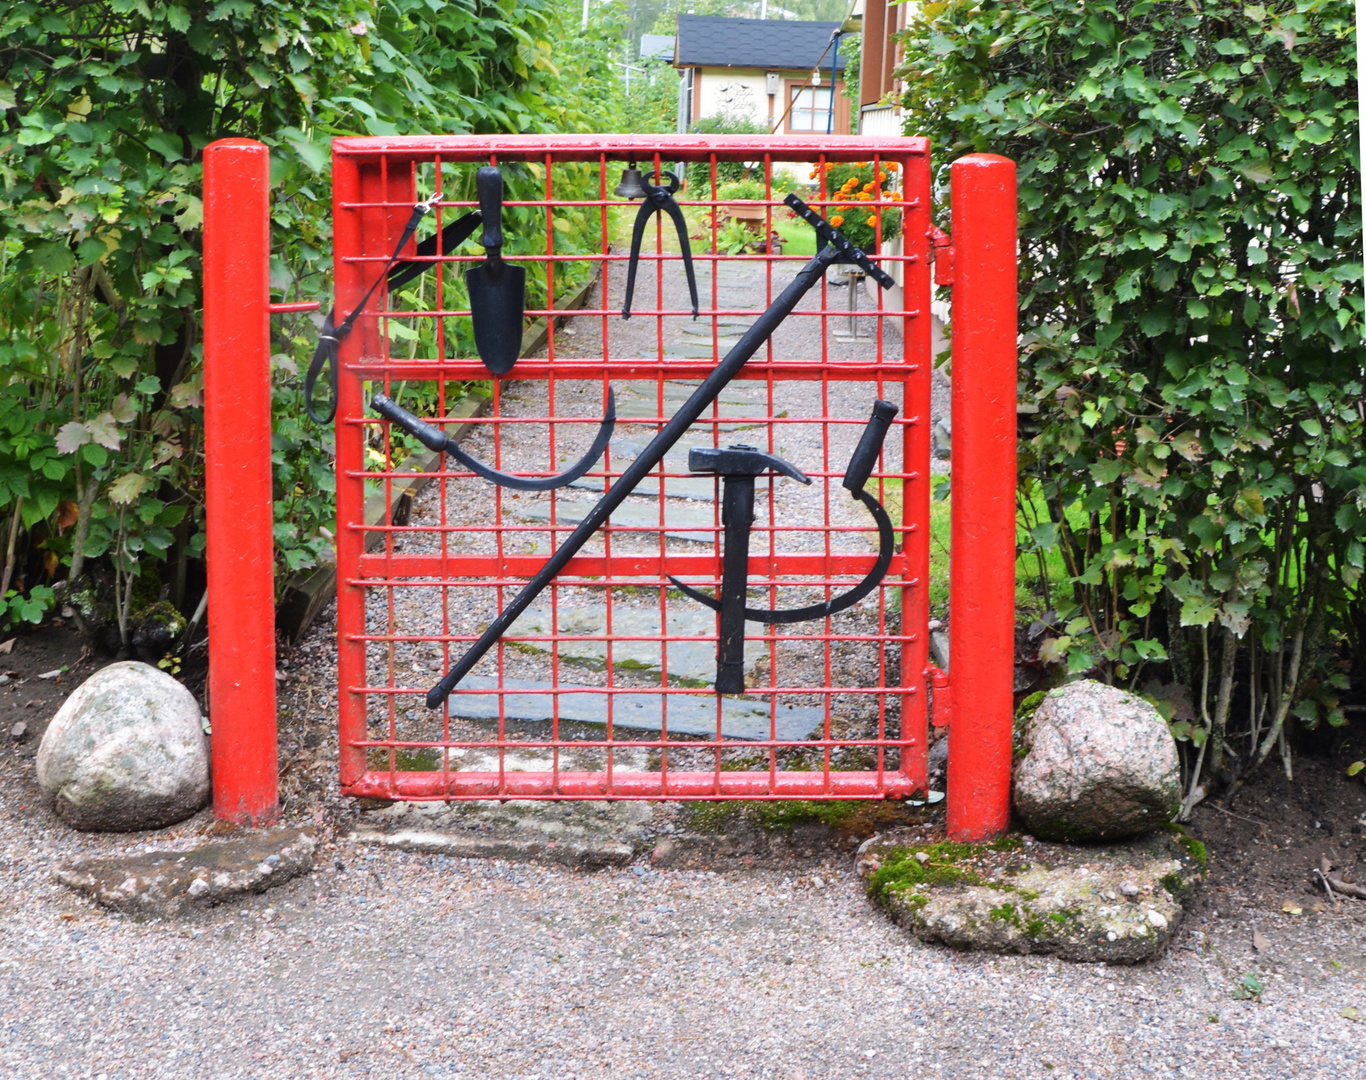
941 709
941 250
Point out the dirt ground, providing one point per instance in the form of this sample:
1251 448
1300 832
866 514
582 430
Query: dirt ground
1263 844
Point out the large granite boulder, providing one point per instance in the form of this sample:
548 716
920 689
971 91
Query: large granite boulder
126 751
1095 763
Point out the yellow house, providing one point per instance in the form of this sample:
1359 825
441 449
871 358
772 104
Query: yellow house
761 69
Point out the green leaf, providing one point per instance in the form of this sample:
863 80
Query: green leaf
53 258
1197 611
1355 767
316 158
1169 111
127 488
166 144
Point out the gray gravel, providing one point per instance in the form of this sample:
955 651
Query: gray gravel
411 965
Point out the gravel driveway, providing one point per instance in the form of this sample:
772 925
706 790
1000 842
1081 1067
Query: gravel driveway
390 964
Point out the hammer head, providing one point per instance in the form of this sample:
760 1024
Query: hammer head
740 460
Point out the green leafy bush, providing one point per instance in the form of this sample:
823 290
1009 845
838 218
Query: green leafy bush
108 107
1190 300
727 172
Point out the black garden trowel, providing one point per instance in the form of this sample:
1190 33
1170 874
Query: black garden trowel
497 289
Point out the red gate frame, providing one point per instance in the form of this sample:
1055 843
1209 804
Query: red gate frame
980 266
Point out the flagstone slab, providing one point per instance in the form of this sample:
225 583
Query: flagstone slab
691 656
688 714
680 521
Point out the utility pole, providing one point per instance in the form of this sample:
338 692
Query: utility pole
585 14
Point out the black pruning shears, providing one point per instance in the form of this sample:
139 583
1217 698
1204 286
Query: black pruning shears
634 186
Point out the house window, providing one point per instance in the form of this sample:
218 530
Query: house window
810 108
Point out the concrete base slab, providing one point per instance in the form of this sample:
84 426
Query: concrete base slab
169 882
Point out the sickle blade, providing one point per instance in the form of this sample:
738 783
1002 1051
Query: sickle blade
886 546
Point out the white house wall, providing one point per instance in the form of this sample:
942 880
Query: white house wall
734 91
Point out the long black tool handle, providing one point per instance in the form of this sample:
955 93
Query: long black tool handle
761 330
488 181
737 515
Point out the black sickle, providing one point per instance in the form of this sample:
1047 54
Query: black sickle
657 199
435 439
855 477
886 546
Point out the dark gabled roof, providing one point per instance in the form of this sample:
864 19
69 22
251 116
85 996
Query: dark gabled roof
709 41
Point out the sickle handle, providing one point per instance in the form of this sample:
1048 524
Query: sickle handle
865 454
435 439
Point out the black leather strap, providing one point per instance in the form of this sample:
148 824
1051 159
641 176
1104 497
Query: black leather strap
398 273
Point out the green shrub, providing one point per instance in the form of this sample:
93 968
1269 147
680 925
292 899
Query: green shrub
727 172
1191 313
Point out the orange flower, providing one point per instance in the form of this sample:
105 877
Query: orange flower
868 186
828 166
837 221
881 176
872 221
891 166
864 197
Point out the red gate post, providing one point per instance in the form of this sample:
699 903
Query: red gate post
237 481
982 552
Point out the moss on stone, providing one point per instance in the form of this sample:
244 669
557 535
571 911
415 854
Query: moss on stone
1192 847
1027 707
785 816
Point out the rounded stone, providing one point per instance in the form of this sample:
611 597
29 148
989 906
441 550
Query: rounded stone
126 751
1095 763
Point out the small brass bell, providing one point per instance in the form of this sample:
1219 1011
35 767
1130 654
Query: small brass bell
630 186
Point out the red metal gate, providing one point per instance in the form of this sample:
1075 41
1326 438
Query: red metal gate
605 692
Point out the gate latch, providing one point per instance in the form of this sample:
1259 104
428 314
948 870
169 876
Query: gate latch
941 247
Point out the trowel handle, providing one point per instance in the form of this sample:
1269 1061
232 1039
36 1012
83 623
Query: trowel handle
865 454
488 181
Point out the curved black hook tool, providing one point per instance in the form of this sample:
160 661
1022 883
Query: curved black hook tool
835 248
434 438
732 592
657 199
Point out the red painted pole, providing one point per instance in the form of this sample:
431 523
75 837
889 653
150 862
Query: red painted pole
982 553
240 516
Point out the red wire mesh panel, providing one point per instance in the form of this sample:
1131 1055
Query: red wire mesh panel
605 686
